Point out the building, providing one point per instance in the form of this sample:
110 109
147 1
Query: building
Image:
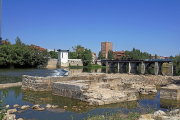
94 58
64 61
3 42
63 58
119 54
105 47
37 47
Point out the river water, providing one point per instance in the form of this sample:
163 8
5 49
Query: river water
17 96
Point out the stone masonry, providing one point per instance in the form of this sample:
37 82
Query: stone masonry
34 83
98 88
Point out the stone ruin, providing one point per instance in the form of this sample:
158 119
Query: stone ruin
94 88
101 88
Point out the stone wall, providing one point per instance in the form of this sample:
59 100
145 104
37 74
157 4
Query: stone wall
171 92
34 83
75 62
52 63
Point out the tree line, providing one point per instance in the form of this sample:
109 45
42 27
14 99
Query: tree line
80 53
133 55
20 55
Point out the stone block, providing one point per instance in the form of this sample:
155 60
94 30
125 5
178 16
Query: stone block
171 92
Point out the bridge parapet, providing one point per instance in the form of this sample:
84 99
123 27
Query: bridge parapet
161 60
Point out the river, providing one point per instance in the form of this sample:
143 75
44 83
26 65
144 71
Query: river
17 96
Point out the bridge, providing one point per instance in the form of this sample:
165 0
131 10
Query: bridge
133 64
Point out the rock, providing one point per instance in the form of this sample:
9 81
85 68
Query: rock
10 111
146 117
10 117
54 106
7 106
48 106
20 119
65 106
19 111
24 107
40 109
173 112
16 105
159 113
35 106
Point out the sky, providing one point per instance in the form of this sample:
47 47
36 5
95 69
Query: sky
151 26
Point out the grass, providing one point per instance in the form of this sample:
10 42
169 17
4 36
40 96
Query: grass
96 66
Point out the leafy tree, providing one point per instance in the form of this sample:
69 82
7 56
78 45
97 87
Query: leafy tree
53 54
155 56
21 55
87 58
135 54
110 55
78 48
100 56
5 54
72 55
171 57
176 61
150 56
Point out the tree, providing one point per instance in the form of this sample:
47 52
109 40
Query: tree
53 54
150 56
171 57
155 56
78 48
135 54
21 55
72 55
5 54
110 55
87 58
100 56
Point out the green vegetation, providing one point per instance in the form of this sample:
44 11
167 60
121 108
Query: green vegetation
3 108
20 55
110 55
100 56
136 54
54 54
155 56
176 63
81 53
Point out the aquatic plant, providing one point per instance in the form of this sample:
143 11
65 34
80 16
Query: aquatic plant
3 108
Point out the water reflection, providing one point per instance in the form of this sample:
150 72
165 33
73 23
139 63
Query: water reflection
16 96
44 98
169 104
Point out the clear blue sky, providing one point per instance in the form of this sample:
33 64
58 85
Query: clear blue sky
152 26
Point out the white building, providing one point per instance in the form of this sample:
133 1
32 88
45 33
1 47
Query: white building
63 58
64 61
